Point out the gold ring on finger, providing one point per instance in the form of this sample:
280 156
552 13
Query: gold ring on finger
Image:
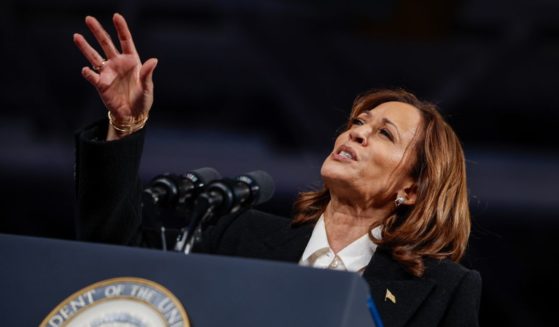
100 67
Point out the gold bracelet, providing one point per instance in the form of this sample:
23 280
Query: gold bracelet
130 126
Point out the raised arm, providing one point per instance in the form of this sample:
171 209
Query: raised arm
107 184
124 84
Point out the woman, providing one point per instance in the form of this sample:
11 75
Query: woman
393 208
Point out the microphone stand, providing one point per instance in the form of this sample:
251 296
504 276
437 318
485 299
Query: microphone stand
203 210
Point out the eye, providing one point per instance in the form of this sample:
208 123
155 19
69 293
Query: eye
357 121
386 133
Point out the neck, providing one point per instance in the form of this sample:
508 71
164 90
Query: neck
345 222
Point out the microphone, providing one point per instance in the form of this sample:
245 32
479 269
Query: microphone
230 195
171 190
223 197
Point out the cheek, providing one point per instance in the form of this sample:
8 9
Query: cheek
383 162
394 158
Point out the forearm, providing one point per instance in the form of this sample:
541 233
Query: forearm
108 187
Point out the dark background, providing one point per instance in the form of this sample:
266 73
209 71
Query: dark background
245 85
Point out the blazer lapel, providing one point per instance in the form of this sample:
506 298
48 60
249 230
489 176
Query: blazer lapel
288 244
396 293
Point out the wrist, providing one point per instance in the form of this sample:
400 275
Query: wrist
119 128
113 134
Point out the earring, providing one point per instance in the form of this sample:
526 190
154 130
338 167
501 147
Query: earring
399 200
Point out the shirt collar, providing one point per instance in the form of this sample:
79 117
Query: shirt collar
318 241
354 256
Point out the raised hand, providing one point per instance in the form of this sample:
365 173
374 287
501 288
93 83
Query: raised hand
123 82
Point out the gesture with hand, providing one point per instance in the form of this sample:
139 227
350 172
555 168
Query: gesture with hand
123 82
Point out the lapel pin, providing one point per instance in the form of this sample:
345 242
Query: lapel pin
389 296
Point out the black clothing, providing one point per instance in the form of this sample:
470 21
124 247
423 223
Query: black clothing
109 210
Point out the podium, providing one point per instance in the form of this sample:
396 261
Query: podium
38 274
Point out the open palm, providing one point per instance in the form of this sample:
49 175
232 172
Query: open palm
120 86
123 82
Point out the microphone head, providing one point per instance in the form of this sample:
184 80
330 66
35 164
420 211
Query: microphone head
170 190
162 190
203 176
261 184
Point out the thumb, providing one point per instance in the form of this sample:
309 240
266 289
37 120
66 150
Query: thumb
146 74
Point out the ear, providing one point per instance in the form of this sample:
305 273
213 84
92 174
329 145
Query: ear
409 191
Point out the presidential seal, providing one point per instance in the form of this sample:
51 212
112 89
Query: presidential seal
125 301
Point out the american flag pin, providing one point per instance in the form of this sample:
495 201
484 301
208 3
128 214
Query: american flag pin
389 296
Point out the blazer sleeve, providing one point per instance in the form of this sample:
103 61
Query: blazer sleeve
463 309
107 186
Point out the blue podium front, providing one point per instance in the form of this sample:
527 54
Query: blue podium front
39 274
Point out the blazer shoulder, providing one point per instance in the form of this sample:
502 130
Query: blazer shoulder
450 274
445 266
463 289
229 230
262 226
257 234
263 220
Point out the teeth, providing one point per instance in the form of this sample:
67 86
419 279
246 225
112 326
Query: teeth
346 155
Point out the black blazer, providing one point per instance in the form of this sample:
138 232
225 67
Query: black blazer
108 191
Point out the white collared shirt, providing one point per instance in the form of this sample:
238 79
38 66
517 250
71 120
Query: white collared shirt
354 257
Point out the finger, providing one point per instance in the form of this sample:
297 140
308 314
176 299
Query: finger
91 76
146 74
124 35
88 51
101 36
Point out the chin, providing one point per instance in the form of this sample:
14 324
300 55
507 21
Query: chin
333 171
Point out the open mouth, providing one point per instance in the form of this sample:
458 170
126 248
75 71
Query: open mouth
346 153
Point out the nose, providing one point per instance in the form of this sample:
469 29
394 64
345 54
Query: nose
360 134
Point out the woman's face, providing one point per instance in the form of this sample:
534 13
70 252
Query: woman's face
365 159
